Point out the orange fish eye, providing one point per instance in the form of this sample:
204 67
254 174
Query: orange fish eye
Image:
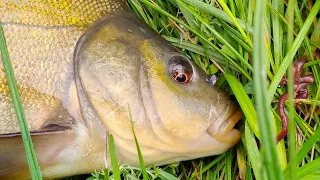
181 77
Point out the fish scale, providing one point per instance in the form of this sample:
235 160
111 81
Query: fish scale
46 68
41 56
56 12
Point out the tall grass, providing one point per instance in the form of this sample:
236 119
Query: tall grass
269 154
16 100
254 43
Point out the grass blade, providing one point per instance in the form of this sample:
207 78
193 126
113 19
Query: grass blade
15 96
268 139
113 156
316 34
142 165
277 31
218 36
217 13
291 124
253 152
244 102
165 175
228 162
305 149
235 22
311 167
242 164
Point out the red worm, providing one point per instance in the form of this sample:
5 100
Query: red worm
283 117
300 90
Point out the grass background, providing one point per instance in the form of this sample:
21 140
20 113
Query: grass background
233 39
249 45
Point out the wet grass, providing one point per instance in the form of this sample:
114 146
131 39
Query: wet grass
250 45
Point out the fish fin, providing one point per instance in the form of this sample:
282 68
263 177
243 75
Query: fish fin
48 142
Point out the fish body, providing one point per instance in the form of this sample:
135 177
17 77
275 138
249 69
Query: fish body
79 67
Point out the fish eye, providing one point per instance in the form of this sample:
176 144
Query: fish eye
181 77
180 69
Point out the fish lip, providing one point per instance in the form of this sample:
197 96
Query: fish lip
222 129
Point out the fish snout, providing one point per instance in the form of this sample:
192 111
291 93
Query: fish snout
222 129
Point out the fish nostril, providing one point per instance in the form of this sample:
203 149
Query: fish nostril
212 79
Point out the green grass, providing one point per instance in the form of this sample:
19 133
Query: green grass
16 100
142 164
254 43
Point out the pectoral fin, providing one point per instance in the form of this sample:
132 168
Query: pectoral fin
49 143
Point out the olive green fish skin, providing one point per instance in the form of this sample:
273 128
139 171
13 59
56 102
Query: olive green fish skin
78 74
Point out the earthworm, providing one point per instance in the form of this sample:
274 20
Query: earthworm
283 116
300 90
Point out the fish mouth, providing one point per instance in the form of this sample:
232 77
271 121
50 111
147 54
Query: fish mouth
222 129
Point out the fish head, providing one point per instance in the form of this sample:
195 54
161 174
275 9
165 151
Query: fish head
132 78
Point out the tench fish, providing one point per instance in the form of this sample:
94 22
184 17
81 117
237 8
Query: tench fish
79 66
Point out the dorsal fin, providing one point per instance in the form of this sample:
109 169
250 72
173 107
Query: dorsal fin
56 12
